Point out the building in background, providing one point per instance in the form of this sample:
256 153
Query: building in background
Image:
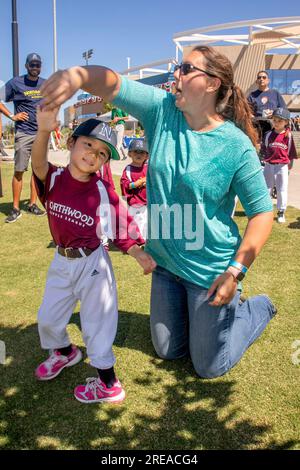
85 107
271 44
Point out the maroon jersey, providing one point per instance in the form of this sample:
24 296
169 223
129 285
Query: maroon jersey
79 213
278 148
105 173
137 196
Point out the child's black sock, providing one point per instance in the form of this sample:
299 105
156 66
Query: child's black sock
107 376
65 351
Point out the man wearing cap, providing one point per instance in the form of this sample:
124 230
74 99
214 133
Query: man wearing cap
264 100
24 92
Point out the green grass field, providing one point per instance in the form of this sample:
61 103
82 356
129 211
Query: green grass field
255 406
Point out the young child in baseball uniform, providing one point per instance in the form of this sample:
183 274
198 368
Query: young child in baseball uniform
278 150
133 183
80 208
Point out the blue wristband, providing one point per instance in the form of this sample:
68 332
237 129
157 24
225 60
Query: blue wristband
239 266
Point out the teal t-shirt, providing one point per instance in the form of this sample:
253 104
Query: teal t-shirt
193 178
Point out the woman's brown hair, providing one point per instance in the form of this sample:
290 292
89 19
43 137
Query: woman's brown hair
231 102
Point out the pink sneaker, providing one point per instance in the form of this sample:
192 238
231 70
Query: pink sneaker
56 363
95 391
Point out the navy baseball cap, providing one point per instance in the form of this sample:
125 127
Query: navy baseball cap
101 131
281 113
33 57
138 145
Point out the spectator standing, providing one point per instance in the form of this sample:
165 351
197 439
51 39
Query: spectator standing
118 117
264 100
24 92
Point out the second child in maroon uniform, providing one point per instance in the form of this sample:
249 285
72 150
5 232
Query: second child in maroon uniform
278 150
133 183
81 207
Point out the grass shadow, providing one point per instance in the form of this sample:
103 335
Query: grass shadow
239 214
6 207
183 412
295 225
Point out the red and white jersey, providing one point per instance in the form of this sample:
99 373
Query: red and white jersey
79 213
137 196
278 148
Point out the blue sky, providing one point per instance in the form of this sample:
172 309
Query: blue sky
141 30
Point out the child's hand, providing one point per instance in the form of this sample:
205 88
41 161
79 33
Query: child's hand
146 261
140 182
47 120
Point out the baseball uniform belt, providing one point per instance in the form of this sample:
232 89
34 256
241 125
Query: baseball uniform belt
74 252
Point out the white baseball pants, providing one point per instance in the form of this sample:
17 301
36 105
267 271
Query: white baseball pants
91 280
278 175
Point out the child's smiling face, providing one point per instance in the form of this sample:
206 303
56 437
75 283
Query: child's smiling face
87 156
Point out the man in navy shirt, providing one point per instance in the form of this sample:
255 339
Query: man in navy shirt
264 101
24 92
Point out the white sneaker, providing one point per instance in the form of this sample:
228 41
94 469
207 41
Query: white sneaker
281 217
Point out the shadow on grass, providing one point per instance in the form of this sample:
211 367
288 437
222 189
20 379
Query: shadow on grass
239 214
6 207
192 412
295 225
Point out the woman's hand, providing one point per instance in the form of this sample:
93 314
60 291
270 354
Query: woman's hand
47 120
225 287
60 87
146 261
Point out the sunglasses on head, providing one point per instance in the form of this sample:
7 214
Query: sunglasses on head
185 68
34 65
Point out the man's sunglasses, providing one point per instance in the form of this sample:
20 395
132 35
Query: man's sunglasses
34 65
262 77
185 68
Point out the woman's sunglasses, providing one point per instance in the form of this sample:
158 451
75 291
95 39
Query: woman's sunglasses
185 68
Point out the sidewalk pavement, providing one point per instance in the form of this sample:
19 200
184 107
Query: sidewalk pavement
61 158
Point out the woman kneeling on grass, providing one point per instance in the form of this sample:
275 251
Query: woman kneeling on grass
201 146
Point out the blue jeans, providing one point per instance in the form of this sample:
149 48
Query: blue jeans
182 322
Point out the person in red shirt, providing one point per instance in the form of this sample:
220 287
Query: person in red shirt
133 183
278 151
81 207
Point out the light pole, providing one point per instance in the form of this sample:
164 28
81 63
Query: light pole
128 64
15 42
54 38
87 54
